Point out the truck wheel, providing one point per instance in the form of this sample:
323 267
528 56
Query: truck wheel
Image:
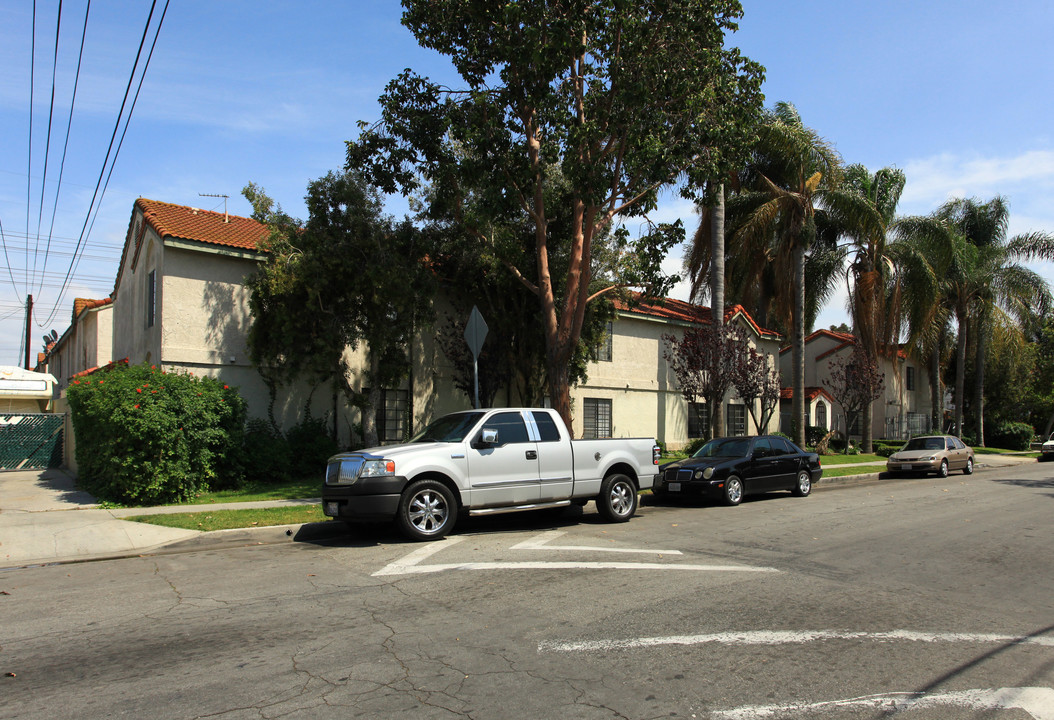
618 498
427 510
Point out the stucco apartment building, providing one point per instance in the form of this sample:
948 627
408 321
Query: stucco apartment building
903 408
87 343
180 301
631 390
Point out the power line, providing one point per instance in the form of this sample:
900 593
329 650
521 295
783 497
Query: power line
32 83
47 142
109 149
69 124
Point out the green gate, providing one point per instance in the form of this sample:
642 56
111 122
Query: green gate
31 441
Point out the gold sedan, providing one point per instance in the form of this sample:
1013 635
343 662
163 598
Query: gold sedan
937 454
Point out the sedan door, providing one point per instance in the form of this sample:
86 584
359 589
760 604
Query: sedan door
789 460
762 470
504 472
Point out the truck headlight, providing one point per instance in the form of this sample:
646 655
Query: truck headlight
377 468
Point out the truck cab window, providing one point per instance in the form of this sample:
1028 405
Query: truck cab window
510 427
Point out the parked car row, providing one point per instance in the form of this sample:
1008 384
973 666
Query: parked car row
484 462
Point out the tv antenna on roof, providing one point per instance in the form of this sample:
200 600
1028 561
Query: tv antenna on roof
226 219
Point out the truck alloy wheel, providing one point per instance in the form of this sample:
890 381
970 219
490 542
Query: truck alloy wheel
618 498
427 510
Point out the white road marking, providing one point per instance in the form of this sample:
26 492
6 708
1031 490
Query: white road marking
541 542
788 637
1036 701
411 564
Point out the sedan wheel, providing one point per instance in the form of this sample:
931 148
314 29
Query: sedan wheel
968 470
733 491
943 472
804 486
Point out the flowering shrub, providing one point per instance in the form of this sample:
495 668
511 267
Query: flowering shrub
146 437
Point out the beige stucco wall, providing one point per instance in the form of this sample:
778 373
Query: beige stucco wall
892 406
86 344
132 338
645 398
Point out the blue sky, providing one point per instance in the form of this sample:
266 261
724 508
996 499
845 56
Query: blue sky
957 93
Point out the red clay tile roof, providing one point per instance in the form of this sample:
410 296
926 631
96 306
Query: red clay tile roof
187 223
82 304
811 393
679 310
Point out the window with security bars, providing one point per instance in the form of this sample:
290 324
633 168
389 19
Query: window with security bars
391 416
698 420
604 349
737 420
151 297
821 415
596 421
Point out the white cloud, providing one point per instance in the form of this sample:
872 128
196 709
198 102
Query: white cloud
1026 178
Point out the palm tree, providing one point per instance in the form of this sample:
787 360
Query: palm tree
874 293
981 281
786 213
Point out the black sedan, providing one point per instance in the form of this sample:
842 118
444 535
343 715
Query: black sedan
729 468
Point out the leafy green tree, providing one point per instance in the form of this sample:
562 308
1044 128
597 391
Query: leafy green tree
349 275
625 99
513 357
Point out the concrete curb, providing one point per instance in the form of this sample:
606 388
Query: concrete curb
313 532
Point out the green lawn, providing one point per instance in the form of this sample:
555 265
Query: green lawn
206 521
293 490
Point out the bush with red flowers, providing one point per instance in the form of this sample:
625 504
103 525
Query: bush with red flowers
147 437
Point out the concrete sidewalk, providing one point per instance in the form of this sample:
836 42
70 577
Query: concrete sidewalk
45 519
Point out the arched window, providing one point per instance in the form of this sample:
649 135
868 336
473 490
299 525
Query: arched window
821 415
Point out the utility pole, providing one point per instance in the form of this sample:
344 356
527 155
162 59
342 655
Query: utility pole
29 325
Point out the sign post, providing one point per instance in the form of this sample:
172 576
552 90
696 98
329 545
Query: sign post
475 334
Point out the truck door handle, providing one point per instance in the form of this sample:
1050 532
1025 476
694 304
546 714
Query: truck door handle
532 455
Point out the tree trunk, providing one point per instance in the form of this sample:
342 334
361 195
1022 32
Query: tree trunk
560 389
979 381
960 374
936 391
866 426
798 352
369 414
717 287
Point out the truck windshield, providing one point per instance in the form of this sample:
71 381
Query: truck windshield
449 428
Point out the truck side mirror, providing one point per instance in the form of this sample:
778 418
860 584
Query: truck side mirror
488 437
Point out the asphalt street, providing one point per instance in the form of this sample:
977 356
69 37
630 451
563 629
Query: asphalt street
925 597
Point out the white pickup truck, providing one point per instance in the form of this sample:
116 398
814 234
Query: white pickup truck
484 462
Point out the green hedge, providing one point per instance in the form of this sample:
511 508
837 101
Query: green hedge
1010 436
147 437
272 457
